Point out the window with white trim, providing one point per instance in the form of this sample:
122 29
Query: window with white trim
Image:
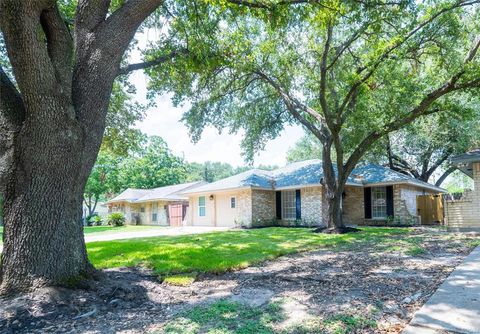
379 202
233 202
201 206
289 208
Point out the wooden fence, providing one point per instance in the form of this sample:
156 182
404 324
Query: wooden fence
430 209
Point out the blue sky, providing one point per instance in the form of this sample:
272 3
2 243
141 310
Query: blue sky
164 120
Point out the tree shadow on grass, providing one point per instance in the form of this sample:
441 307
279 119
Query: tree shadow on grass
134 299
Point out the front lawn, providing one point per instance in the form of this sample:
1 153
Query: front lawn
222 251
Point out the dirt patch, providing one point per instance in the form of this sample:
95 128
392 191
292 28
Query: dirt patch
387 285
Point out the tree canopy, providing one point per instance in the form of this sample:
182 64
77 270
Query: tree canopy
350 72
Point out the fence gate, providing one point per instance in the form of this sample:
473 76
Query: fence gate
175 214
430 209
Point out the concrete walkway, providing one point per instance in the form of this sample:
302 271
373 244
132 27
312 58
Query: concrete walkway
455 306
166 231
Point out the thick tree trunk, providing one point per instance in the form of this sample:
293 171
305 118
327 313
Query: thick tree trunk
51 127
334 209
43 229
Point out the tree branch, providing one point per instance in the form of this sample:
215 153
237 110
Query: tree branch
20 23
89 14
151 63
12 114
295 107
437 164
442 178
323 71
59 44
422 109
375 64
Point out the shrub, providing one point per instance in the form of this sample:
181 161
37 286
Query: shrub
116 219
95 220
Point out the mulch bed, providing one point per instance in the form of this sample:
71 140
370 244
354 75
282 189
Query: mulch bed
390 286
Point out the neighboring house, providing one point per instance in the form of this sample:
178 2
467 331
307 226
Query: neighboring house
464 213
373 195
159 206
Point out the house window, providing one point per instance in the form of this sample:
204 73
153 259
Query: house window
154 212
379 202
201 206
289 211
142 209
233 202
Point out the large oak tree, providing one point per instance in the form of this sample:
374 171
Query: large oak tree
350 72
56 79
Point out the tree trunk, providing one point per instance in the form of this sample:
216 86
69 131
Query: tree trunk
333 192
43 229
334 209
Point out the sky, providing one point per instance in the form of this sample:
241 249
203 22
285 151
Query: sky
164 120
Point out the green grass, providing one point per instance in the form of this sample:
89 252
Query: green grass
227 317
222 251
224 317
1 234
180 279
115 229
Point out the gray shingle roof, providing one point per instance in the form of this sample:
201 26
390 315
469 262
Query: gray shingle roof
169 193
472 156
308 172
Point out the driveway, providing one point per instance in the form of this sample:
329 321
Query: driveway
166 231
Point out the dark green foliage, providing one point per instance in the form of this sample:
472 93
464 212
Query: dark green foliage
94 220
116 219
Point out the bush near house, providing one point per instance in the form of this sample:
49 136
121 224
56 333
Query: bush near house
94 220
116 219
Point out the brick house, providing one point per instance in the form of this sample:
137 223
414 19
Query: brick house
464 213
158 206
374 195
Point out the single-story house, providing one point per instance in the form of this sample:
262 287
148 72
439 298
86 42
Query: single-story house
373 195
464 213
159 206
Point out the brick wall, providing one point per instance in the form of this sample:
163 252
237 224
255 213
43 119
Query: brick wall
465 213
262 205
353 205
405 203
312 205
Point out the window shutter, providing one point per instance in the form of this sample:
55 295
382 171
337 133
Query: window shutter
278 204
367 201
390 208
298 204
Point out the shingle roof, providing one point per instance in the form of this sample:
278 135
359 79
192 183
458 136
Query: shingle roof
308 172
464 161
472 156
251 178
376 174
169 193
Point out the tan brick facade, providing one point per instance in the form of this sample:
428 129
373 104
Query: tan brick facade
263 205
465 213
353 206
312 205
